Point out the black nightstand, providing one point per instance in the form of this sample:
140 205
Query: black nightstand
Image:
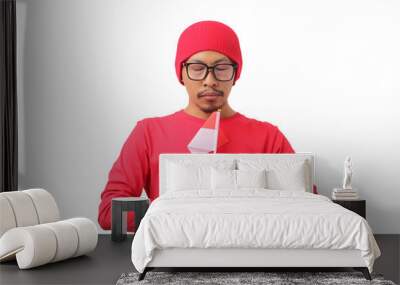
357 206
119 208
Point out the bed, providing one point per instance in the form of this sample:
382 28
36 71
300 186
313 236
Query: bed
247 210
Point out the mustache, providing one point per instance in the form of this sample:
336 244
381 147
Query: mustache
201 94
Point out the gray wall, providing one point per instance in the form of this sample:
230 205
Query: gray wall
327 73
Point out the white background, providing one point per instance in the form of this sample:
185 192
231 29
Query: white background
325 72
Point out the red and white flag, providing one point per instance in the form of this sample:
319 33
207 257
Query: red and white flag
209 137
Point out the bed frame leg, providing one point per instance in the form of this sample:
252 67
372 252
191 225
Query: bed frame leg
143 274
364 271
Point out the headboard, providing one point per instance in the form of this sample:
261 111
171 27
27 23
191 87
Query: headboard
196 157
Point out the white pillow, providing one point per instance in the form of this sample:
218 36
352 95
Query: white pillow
223 179
182 177
188 175
251 178
290 178
281 174
229 179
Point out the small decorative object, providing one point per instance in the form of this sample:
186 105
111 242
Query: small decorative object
347 192
348 173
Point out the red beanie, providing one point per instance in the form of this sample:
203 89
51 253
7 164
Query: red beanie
208 35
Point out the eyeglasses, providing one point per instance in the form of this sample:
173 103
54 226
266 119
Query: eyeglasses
199 71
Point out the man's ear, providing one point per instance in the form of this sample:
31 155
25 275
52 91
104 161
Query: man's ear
181 77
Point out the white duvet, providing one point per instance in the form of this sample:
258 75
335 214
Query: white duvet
251 218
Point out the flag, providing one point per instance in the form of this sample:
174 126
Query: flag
209 137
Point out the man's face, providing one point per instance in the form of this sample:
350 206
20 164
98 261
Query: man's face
208 94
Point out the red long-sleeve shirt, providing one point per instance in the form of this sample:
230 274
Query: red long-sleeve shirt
137 164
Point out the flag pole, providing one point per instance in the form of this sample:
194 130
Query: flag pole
217 130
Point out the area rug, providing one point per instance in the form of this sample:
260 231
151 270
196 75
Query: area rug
269 278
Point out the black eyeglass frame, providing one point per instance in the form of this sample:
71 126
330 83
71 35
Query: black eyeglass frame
187 64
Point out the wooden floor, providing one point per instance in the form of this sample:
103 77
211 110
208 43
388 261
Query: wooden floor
110 260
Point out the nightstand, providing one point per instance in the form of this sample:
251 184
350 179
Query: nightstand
119 208
357 206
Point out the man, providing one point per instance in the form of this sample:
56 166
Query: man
208 63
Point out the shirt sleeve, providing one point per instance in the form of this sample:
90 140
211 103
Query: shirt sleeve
281 143
128 175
